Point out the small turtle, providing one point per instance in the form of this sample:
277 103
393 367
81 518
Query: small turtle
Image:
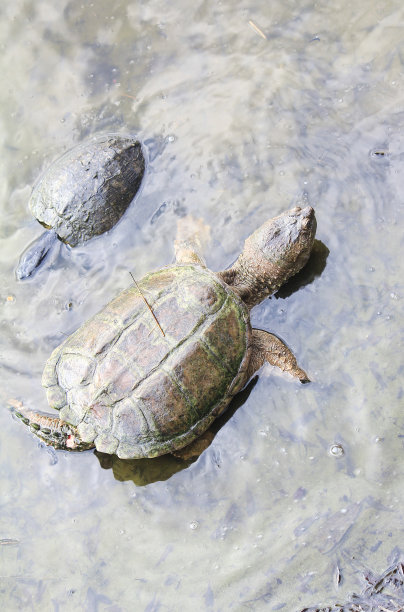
150 372
83 194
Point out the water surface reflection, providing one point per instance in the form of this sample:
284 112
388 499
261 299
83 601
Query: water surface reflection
238 127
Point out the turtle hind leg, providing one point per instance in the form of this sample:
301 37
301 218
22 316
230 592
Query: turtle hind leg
269 348
52 430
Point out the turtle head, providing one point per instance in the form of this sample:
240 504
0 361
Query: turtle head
283 244
272 254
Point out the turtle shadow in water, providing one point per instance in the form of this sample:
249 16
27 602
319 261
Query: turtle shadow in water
146 471
314 268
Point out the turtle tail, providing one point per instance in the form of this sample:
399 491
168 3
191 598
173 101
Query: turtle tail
52 430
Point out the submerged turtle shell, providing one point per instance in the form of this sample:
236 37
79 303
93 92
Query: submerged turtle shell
87 190
137 393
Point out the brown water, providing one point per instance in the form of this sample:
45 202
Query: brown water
302 489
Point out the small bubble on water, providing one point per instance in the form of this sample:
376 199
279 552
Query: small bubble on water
193 525
337 450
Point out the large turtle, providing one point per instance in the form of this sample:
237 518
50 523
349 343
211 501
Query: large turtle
151 371
83 194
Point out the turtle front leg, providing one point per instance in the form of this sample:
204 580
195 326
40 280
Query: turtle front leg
52 430
192 235
269 348
186 252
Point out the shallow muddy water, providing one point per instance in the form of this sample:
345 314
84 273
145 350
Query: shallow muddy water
244 110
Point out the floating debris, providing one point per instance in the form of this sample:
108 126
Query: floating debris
257 29
129 96
383 594
337 577
9 542
377 153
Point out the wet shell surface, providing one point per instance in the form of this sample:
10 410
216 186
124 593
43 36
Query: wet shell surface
138 393
86 191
